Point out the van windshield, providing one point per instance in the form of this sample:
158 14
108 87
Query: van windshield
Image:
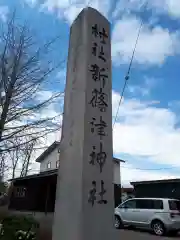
174 205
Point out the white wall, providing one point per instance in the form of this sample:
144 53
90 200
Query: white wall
53 157
117 178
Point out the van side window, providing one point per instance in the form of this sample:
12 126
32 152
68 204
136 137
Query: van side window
143 204
158 204
149 204
131 204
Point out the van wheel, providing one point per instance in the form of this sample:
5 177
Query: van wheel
158 228
118 222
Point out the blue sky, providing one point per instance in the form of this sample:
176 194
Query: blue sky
147 133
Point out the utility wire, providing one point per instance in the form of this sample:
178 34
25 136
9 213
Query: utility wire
124 86
128 73
129 68
148 169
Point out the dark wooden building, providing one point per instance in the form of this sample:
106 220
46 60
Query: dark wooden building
168 188
36 193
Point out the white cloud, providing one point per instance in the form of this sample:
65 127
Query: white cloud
42 96
127 6
32 3
130 174
144 89
52 110
173 7
147 130
69 10
154 45
52 5
168 7
175 105
4 10
135 89
61 74
46 140
142 129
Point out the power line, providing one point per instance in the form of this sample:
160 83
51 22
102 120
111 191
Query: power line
149 169
128 73
129 69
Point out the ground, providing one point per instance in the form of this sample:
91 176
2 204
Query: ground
141 235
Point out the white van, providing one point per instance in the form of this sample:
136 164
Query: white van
159 214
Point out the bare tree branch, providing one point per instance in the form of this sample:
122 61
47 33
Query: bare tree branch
27 154
25 67
14 145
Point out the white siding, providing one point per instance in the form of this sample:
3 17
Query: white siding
117 178
53 157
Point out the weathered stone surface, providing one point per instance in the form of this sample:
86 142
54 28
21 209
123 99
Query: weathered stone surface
84 203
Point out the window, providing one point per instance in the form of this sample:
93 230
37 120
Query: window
149 204
57 164
20 192
144 204
49 165
158 204
174 205
129 204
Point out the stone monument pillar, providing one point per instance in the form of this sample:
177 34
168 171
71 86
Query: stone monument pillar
84 208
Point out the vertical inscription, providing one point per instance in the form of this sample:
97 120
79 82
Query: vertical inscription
98 101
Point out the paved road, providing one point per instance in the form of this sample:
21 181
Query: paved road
142 235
